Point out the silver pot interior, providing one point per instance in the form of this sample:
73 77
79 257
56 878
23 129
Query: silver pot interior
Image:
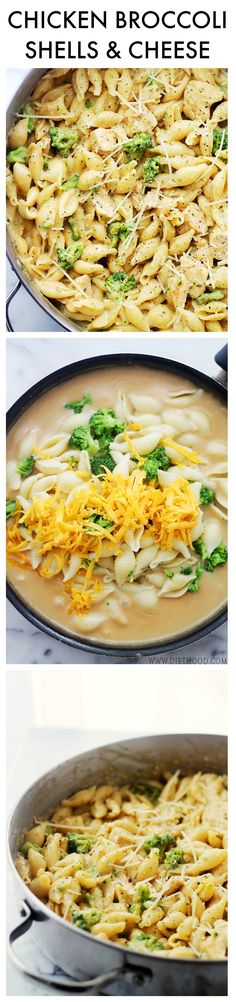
119 763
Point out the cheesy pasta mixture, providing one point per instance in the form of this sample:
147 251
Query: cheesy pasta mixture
117 196
144 866
119 505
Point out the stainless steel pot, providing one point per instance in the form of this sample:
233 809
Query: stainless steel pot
24 91
76 952
102 364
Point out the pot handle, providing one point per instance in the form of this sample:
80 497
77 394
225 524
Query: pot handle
11 296
139 975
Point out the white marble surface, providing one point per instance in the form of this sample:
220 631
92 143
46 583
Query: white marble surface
28 360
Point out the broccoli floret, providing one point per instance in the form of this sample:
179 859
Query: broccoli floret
200 548
45 163
17 156
220 139
119 231
207 496
73 228
142 898
104 420
73 182
26 466
137 145
145 941
102 459
10 507
207 297
30 845
194 586
99 520
28 112
186 570
63 140
80 843
78 405
68 255
161 842
151 168
118 284
147 790
156 460
174 858
88 102
219 556
81 438
169 574
85 919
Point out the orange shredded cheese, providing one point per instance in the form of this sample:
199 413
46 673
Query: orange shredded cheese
187 453
61 527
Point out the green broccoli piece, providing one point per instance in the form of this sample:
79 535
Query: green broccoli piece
45 163
68 255
207 496
145 941
88 102
219 556
136 147
186 570
118 284
63 140
119 231
156 460
73 182
99 520
194 586
80 843
174 858
161 842
28 112
17 156
207 297
151 168
73 228
142 898
30 845
102 459
26 466
169 574
147 790
104 420
85 919
78 405
81 438
220 139
200 548
10 507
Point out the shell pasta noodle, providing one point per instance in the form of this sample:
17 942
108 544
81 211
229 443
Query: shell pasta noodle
117 197
117 505
144 866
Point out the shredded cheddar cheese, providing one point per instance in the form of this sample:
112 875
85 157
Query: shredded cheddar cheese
59 528
189 454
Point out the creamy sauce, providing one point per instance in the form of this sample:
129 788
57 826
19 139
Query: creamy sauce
171 617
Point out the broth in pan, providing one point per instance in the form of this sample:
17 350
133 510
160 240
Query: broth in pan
116 510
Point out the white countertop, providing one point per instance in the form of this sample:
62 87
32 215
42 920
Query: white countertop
30 359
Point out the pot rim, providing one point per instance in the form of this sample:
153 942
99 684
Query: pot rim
55 378
28 894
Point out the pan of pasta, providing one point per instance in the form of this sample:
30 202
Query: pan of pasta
116 509
117 197
119 858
